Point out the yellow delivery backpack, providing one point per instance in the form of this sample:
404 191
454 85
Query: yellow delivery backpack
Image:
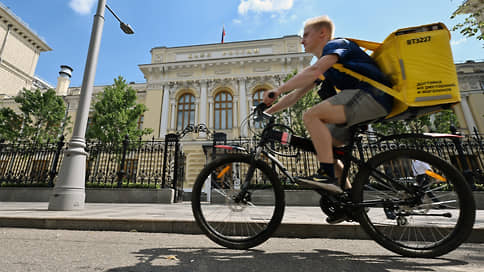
418 61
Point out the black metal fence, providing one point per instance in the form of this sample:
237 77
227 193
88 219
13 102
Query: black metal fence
30 164
465 153
161 164
135 164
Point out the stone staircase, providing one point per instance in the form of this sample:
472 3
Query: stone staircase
195 161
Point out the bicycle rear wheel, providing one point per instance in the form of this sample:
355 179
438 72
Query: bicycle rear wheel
415 220
233 219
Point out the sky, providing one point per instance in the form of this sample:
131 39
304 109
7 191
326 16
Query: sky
66 27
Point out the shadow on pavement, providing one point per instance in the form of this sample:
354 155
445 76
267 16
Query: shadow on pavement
219 259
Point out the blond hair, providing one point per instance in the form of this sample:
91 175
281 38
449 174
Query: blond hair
320 22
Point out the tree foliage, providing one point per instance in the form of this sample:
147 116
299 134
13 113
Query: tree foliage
116 114
41 117
10 124
437 122
472 24
293 115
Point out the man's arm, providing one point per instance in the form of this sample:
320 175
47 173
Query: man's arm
310 74
290 99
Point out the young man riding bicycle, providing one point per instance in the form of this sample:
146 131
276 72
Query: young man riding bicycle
328 122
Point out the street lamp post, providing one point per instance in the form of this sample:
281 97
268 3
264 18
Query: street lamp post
69 191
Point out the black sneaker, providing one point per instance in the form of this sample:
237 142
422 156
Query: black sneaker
322 181
336 218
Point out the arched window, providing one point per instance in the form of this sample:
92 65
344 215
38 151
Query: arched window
186 111
258 97
223 110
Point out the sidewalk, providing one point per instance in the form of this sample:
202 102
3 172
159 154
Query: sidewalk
300 222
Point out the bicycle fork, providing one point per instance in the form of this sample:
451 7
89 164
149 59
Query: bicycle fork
244 194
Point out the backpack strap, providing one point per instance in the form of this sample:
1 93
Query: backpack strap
398 106
360 77
366 44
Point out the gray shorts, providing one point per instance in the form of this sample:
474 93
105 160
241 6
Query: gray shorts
359 107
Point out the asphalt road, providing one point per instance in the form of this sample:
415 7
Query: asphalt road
61 250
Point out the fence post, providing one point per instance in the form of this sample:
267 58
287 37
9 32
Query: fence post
466 171
53 169
121 172
168 138
175 170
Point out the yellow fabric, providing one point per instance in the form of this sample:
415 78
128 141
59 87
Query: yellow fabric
418 61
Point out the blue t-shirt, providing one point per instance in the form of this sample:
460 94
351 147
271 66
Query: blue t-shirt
351 56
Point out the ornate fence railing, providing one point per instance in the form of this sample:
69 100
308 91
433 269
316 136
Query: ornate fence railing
136 164
161 163
466 153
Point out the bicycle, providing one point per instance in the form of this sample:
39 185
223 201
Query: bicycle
246 203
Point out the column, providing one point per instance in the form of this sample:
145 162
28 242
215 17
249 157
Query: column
164 112
467 114
197 106
243 106
203 106
173 114
210 104
235 113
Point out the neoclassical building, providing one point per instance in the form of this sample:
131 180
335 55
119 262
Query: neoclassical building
215 84
20 48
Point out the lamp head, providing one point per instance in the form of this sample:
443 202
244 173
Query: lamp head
126 28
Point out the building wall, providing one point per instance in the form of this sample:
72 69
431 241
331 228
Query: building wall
204 71
239 68
20 48
470 112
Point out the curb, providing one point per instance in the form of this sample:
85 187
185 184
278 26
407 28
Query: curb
285 230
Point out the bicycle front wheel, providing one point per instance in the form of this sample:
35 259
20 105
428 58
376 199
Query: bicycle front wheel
414 215
238 201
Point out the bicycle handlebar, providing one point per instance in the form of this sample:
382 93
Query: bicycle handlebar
259 110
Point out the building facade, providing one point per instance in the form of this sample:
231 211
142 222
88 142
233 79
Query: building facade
20 48
470 111
215 85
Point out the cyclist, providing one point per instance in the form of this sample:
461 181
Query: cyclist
419 169
328 122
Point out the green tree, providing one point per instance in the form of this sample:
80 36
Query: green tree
293 115
445 119
116 114
473 23
437 122
417 125
42 114
10 123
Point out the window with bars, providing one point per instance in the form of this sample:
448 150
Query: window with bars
186 111
223 110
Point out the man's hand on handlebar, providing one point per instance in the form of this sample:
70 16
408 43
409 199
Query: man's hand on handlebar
270 96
